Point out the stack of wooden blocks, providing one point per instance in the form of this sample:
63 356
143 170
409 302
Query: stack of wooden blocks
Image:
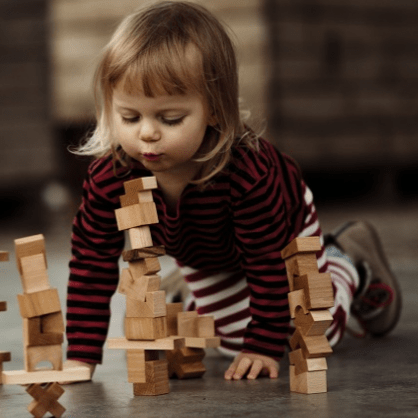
43 331
311 295
4 355
150 323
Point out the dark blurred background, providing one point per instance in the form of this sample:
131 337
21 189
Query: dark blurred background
334 83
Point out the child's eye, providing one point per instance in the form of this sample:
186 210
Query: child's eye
173 122
130 120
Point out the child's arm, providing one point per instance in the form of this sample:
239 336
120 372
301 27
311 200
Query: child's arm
253 364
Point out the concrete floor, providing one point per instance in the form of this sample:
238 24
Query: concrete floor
366 378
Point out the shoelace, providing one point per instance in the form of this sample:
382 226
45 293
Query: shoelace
373 298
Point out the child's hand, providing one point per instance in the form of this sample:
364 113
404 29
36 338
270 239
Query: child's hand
68 364
254 364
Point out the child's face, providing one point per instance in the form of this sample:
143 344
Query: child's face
163 132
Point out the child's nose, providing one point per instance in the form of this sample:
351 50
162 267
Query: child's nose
149 132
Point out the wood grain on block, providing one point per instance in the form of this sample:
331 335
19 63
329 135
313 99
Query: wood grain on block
140 184
145 328
51 353
146 266
136 215
157 382
4 256
46 399
206 326
169 343
135 361
39 303
318 290
22 377
312 346
298 265
139 254
187 324
28 246
140 237
135 198
172 311
33 334
303 364
34 273
186 363
137 288
297 298
212 342
308 382
302 245
153 307
316 322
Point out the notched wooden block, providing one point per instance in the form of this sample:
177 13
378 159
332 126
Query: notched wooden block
35 355
314 322
186 363
303 364
45 400
137 288
145 328
312 346
299 265
136 215
39 303
301 245
318 290
297 298
33 334
153 307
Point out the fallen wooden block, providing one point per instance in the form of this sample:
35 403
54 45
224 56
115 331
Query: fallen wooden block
169 343
308 382
45 400
39 303
22 377
145 328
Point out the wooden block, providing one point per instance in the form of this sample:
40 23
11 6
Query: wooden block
212 342
172 311
34 335
145 328
34 274
3 306
137 288
39 303
314 322
140 184
140 237
136 364
22 377
28 246
46 400
136 215
169 343
34 355
157 382
297 298
303 364
308 382
312 346
135 198
153 307
186 363
318 290
298 265
187 324
4 256
5 356
206 326
139 254
144 267
302 245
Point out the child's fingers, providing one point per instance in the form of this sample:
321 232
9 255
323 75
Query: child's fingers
256 368
243 366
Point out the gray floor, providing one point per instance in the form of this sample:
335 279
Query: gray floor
365 377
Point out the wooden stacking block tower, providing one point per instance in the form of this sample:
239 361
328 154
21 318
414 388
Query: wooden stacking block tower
43 331
150 323
311 296
4 355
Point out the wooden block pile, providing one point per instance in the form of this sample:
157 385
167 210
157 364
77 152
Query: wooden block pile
4 355
150 323
311 295
43 331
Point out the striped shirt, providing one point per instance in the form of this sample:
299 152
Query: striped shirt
227 238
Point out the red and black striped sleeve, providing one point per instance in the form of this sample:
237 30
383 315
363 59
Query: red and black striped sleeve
94 272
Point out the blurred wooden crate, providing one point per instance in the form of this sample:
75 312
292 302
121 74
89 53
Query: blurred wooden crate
82 27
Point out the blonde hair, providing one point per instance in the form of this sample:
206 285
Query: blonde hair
149 52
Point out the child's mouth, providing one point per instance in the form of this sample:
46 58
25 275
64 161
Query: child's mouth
152 157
